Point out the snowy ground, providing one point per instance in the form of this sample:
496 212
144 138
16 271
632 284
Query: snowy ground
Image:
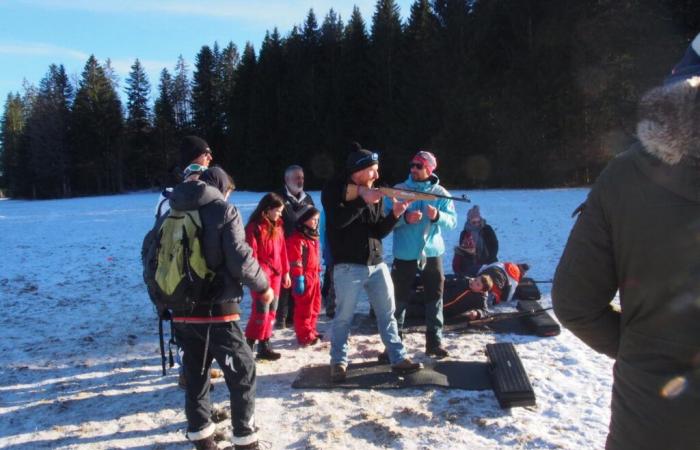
80 365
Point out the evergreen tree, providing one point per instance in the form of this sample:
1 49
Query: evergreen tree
47 136
12 157
182 97
330 96
226 70
165 130
206 112
96 134
274 136
140 159
420 103
357 84
244 113
386 38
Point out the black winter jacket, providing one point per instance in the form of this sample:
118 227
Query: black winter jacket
654 335
292 209
225 249
354 229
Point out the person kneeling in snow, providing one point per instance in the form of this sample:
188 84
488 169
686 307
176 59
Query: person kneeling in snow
478 245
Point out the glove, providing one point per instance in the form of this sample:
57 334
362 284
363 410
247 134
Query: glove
299 285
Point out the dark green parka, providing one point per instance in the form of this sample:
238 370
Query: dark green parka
639 233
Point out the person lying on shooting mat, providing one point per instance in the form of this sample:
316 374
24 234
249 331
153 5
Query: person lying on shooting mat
472 302
506 277
468 298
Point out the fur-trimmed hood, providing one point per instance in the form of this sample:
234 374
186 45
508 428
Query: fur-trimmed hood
669 126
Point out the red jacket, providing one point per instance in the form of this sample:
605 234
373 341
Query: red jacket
271 252
304 255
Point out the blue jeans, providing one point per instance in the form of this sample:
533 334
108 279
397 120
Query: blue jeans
348 279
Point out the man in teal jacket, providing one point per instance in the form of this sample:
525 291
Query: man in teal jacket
418 244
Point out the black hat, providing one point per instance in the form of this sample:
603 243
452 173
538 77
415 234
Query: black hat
218 178
307 213
689 66
190 148
359 158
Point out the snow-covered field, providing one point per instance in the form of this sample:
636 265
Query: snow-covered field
80 365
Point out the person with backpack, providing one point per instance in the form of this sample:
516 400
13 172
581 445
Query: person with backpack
265 235
305 262
200 259
195 157
419 246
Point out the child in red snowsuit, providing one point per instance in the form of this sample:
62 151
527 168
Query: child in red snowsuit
265 235
304 258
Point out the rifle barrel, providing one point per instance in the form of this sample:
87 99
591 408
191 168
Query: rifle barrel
462 198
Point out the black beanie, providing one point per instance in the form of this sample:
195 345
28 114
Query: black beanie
307 213
218 178
359 158
190 148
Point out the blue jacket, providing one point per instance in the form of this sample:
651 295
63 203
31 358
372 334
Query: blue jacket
412 241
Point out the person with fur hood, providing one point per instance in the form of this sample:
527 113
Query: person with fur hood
653 334
478 245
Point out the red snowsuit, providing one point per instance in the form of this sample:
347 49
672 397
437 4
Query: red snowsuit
304 259
271 253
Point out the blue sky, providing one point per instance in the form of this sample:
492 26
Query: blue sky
36 33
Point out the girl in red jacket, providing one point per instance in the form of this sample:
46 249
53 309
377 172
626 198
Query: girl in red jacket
305 262
265 235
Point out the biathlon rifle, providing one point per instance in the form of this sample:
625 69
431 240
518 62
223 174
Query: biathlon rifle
505 316
352 192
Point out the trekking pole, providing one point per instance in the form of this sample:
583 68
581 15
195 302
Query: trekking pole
543 281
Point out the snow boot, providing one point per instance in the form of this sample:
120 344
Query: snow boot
405 367
434 348
339 373
265 351
206 444
253 446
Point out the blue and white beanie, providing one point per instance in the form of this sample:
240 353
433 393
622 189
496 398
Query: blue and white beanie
689 66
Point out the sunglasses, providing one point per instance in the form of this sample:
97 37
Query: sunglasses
194 168
417 165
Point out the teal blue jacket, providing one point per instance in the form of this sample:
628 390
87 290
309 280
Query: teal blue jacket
423 238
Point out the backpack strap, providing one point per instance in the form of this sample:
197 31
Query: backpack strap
166 197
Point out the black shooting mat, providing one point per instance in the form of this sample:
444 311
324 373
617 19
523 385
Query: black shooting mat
366 324
467 375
